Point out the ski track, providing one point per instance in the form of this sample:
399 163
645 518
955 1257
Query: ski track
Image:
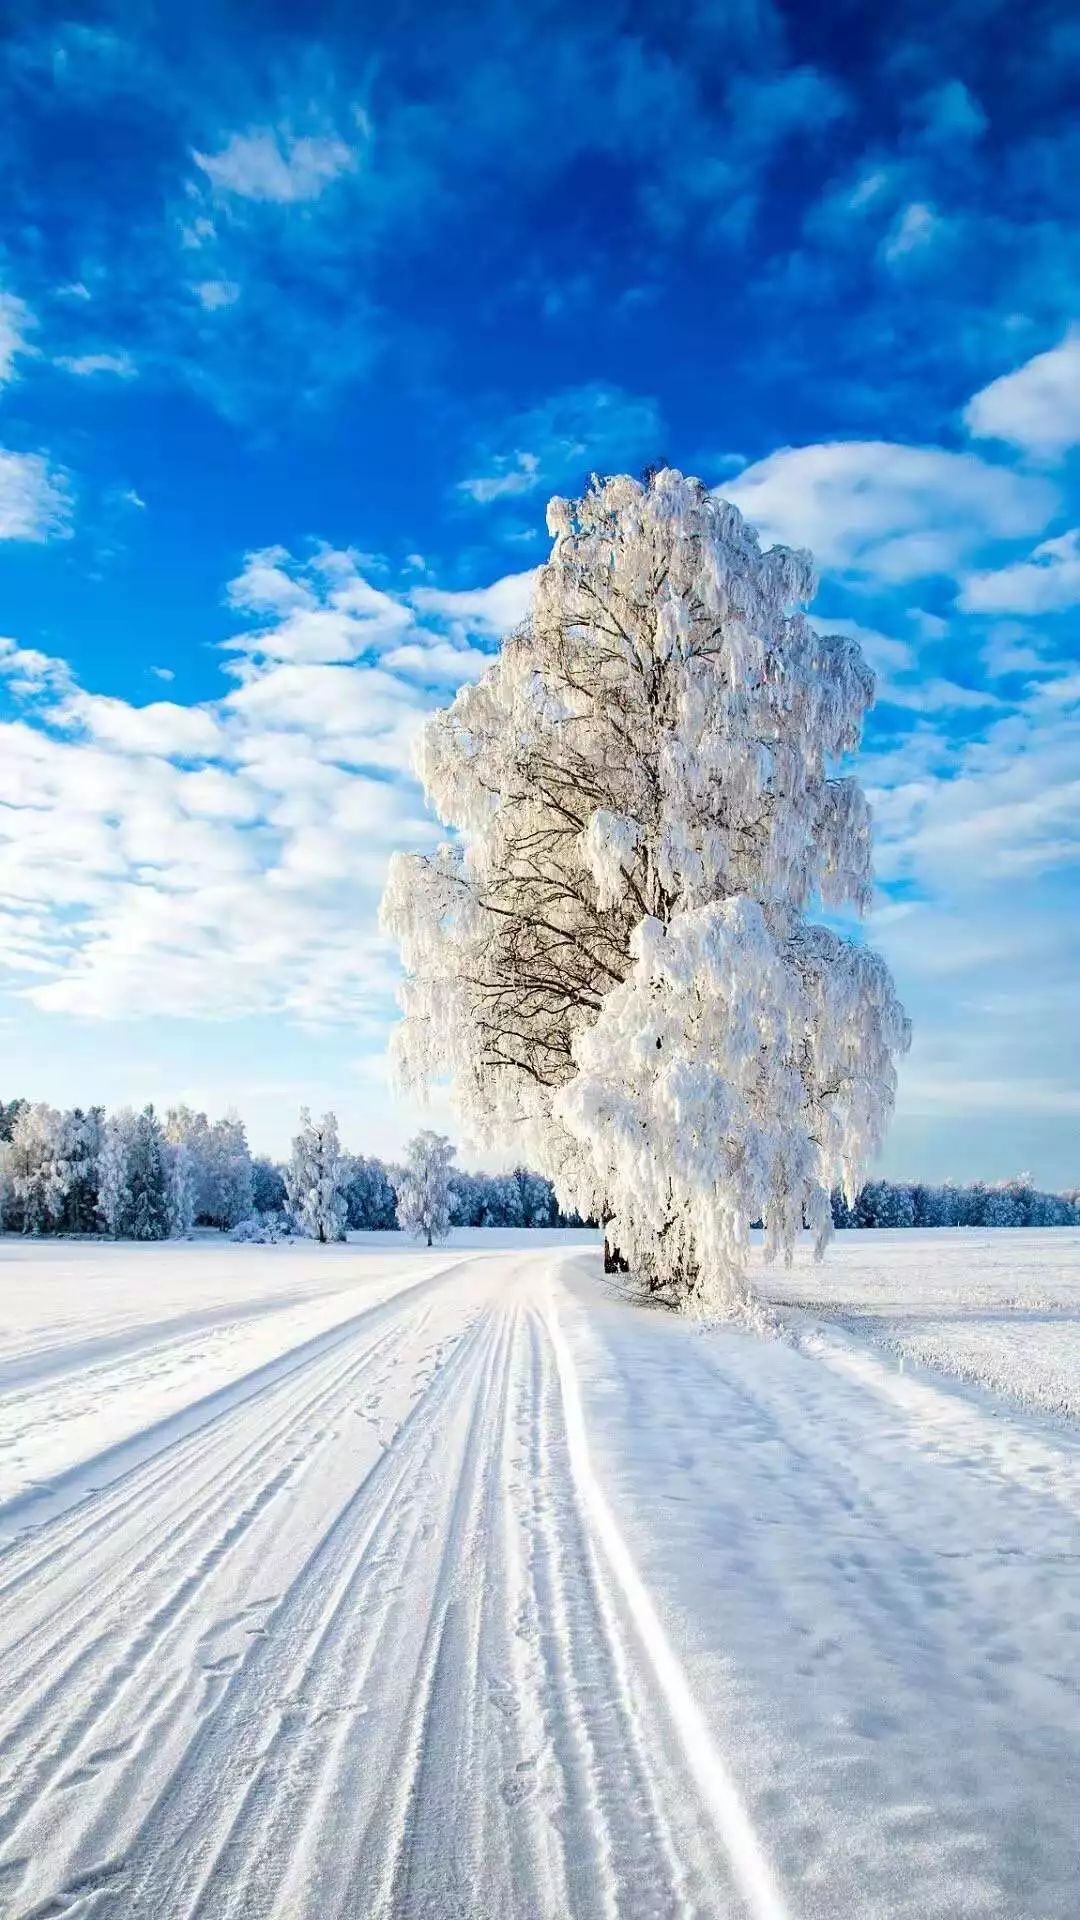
500 1599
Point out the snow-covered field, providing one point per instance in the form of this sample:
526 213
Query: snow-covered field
375 1581
995 1307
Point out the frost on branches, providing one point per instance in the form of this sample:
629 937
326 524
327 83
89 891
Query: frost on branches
423 1194
612 959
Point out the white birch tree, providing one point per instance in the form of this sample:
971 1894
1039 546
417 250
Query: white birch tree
424 1194
612 960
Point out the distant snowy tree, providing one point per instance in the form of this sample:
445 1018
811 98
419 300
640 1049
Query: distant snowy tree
148 1178
230 1197
537 1206
181 1182
611 961
221 1160
314 1179
114 1188
369 1195
267 1186
77 1154
33 1168
423 1198
1001 1209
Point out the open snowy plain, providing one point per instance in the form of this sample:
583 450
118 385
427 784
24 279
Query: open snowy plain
375 1581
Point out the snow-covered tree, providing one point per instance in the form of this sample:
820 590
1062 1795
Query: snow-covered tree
369 1195
315 1179
221 1162
33 1173
612 961
148 1178
181 1184
423 1195
229 1198
78 1150
114 1191
267 1186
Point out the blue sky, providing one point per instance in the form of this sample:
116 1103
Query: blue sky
304 312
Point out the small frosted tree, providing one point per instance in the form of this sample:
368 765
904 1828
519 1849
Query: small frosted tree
424 1193
315 1179
612 961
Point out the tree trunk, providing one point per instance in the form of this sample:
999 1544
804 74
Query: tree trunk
613 1259
429 1237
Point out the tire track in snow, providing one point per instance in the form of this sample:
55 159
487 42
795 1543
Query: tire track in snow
715 1784
41 1506
55 1740
220 1818
113 1665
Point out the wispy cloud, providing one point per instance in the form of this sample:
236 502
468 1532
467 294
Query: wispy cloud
274 164
562 439
87 365
35 500
16 325
916 227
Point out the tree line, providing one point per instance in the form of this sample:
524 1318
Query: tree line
1004 1203
137 1176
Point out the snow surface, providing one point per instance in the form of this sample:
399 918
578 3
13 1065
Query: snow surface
998 1307
375 1581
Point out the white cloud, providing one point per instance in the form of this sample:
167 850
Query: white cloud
30 672
1008 650
162 727
86 365
16 322
438 660
326 610
1047 582
271 164
515 473
1037 407
894 513
225 859
481 610
34 499
996 808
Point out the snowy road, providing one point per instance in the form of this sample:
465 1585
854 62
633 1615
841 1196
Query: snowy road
448 1586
